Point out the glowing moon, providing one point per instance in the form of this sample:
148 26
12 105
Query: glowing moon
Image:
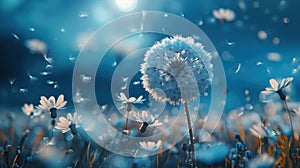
126 5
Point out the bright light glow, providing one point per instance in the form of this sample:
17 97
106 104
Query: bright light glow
126 5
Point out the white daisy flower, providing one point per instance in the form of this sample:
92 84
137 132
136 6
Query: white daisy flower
275 88
150 146
29 110
52 105
146 119
224 15
71 123
122 98
129 101
258 130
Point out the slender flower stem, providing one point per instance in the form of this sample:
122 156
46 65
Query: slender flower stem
190 131
126 122
292 149
128 109
290 117
53 122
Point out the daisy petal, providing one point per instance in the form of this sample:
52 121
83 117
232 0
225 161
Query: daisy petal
60 99
274 84
132 99
69 117
45 102
52 101
288 81
123 96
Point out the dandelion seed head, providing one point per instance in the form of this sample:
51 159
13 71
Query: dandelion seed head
172 66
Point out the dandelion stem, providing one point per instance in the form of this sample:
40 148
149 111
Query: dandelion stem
190 130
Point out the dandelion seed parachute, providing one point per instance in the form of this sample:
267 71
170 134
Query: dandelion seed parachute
178 66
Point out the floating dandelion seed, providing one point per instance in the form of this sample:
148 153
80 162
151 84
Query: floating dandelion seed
44 73
230 43
63 30
32 78
238 68
83 14
50 60
72 58
151 146
23 90
201 23
78 98
32 29
124 87
51 82
56 86
85 79
224 15
125 79
259 63
294 60
11 81
114 64
136 82
49 66
15 36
